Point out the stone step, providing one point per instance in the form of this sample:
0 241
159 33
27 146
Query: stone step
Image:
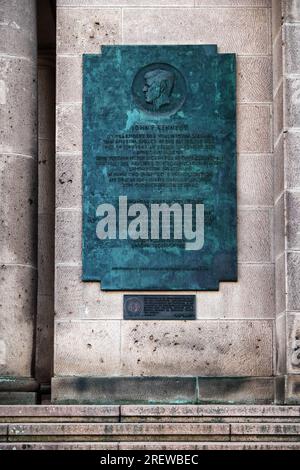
117 431
59 446
211 413
150 431
265 431
150 427
147 413
59 413
268 445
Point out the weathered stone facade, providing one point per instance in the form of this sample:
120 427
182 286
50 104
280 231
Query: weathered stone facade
243 346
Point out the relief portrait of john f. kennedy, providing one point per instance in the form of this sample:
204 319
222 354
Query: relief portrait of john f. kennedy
158 87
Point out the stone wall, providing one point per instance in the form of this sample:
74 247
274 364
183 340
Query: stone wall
233 333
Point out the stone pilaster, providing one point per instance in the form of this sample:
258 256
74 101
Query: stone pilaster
291 125
18 180
286 95
46 207
279 201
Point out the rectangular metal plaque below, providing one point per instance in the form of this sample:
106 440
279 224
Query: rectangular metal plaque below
159 307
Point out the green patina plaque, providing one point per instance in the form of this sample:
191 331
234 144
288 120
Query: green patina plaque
159 168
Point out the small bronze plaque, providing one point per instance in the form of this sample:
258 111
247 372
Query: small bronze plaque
159 307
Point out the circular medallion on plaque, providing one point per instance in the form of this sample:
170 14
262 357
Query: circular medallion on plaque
159 89
134 305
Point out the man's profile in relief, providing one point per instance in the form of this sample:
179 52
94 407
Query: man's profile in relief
158 87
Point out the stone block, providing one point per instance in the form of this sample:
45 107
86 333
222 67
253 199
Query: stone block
46 412
254 129
17 398
279 226
278 168
124 3
17 384
3 430
77 299
278 114
254 79
293 281
291 48
293 343
292 165
234 3
59 446
276 17
277 62
18 28
231 446
279 386
18 209
44 338
83 30
124 390
236 300
69 71
96 353
280 347
68 180
46 176
280 278
17 311
214 348
274 431
244 31
254 235
292 394
69 128
291 10
46 254
18 131
46 100
209 411
255 180
210 304
120 431
68 236
292 102
293 217
251 390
